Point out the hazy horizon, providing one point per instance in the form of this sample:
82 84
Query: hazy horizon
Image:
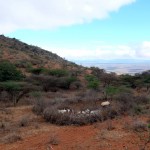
119 68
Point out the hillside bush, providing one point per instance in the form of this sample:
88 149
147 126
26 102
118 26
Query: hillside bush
111 91
126 100
93 82
52 83
58 72
39 106
142 99
37 71
75 85
8 71
65 82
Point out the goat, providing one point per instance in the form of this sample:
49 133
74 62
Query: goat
106 103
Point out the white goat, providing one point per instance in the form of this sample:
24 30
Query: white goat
106 103
95 112
62 111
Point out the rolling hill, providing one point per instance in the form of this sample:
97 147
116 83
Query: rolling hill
24 55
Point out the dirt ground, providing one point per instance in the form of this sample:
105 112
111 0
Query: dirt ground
39 135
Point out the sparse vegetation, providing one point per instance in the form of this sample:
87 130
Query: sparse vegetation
63 93
11 138
54 140
139 126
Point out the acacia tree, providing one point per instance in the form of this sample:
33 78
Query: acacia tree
16 90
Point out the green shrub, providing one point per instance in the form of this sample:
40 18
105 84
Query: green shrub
90 77
8 71
37 70
10 86
58 72
93 82
111 91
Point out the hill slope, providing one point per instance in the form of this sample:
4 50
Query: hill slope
24 55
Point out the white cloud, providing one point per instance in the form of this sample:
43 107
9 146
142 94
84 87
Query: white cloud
45 14
105 51
144 50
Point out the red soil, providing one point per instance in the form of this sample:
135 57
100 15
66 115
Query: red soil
91 137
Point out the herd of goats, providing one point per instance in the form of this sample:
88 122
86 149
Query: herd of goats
104 104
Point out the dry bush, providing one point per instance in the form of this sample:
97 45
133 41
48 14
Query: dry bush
24 121
108 113
6 126
142 99
54 140
76 107
11 138
91 95
2 125
52 115
80 94
75 85
126 101
39 106
138 126
76 115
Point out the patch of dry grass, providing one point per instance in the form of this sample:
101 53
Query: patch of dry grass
11 138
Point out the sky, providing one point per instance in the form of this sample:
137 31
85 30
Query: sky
81 29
